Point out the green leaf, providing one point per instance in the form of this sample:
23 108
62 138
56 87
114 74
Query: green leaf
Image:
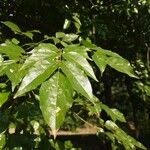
127 141
12 26
78 79
3 97
113 113
101 62
5 65
55 100
15 75
66 24
147 89
1 59
4 120
56 40
103 57
87 43
76 19
81 61
46 48
64 44
11 50
36 75
60 35
15 41
78 49
40 65
28 34
41 52
77 23
2 140
69 37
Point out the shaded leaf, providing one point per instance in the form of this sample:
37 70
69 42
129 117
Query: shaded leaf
127 141
4 120
113 113
55 100
3 97
78 79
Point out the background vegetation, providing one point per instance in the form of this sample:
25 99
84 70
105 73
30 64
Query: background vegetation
121 26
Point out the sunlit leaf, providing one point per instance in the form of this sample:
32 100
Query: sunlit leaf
101 62
12 26
2 140
40 65
41 52
60 34
70 37
78 79
113 60
28 34
81 61
15 41
55 100
36 75
5 65
66 24
11 50
78 49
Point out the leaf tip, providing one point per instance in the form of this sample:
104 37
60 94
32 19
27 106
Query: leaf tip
54 133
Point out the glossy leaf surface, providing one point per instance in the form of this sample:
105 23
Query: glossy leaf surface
12 26
36 75
70 37
55 100
104 57
81 61
78 79
40 65
78 49
11 50
41 52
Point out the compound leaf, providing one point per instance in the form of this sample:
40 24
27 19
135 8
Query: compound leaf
55 100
